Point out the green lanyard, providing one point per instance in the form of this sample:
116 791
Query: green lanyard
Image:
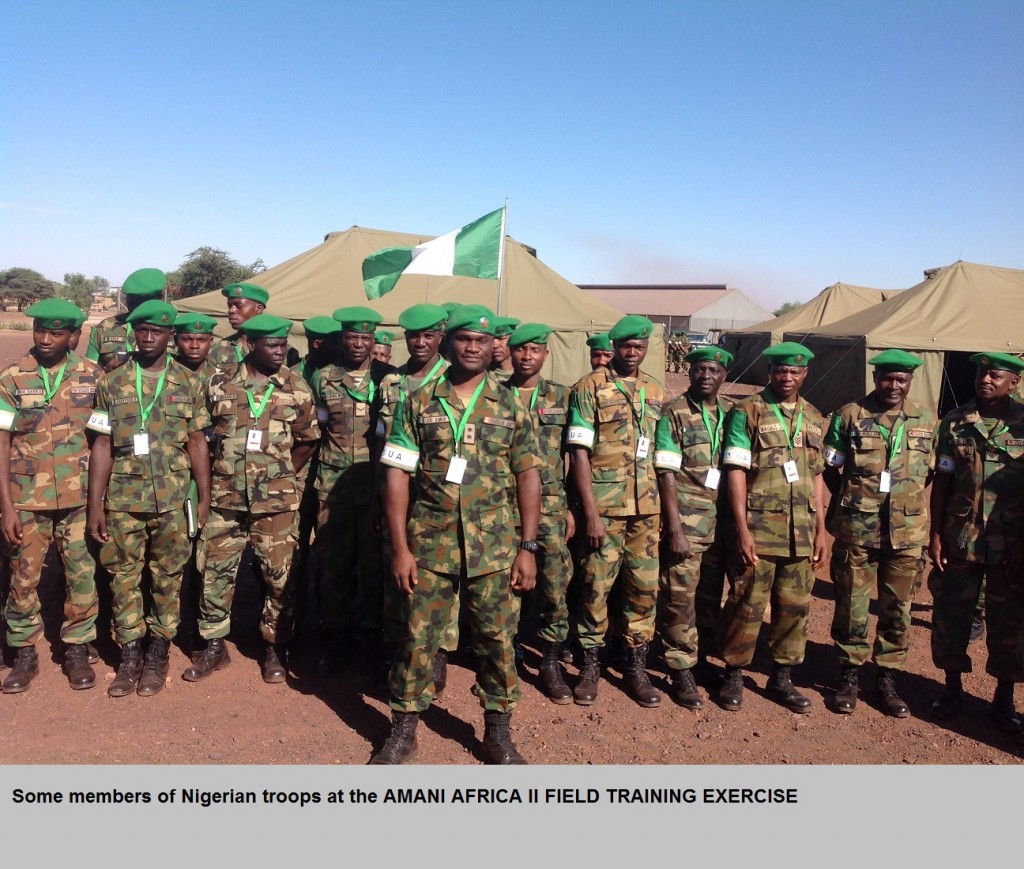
716 433
430 374
258 411
893 442
785 425
993 435
239 352
366 397
533 398
127 338
643 404
458 429
45 375
144 410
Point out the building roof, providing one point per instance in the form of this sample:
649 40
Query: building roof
670 300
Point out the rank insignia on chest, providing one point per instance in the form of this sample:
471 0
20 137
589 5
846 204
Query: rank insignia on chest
469 436
798 439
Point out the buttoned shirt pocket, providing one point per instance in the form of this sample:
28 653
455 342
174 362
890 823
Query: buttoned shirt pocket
22 479
853 502
772 448
919 456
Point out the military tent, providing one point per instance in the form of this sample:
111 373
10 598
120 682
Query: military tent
831 304
329 276
954 312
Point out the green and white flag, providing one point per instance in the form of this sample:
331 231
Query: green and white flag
473 251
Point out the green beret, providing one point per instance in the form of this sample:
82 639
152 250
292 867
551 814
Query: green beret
633 326
999 361
145 282
451 306
474 318
266 326
530 333
154 313
383 337
896 360
423 316
246 291
197 324
504 326
321 327
709 354
357 318
788 353
56 314
600 341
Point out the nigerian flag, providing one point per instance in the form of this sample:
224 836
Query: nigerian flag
473 251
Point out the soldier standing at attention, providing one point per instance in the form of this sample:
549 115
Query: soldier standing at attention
48 397
244 301
600 350
382 346
501 362
110 340
149 418
323 335
193 338
688 458
548 404
773 459
471 449
264 431
977 507
613 416
879 460
347 551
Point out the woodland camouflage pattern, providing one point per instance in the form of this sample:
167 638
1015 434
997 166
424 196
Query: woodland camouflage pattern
109 337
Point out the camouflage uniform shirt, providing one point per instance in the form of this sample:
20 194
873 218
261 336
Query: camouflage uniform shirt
396 383
548 406
107 338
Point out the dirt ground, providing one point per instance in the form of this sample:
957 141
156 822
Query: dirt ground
234 718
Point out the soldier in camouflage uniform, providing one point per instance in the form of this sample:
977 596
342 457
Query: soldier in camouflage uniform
244 301
47 398
773 459
193 339
110 340
264 431
382 346
149 420
501 362
688 458
600 350
347 551
323 336
613 416
547 403
879 457
472 449
977 526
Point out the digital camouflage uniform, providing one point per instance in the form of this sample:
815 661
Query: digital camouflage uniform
226 353
879 536
109 339
781 518
461 533
146 493
690 603
608 424
255 495
984 516
49 460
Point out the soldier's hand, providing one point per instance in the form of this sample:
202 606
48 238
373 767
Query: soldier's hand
596 532
403 571
936 553
204 513
677 546
524 571
570 526
748 549
12 528
819 550
97 521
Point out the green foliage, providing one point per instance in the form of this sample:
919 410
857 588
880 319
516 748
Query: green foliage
207 269
785 308
22 287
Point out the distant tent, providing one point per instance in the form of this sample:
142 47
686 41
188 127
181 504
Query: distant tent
329 276
957 310
831 304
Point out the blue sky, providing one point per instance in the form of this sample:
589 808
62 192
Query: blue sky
776 147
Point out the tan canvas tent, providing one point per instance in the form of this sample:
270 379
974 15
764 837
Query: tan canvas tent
831 304
329 276
954 312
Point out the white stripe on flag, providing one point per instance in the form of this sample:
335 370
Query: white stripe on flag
435 257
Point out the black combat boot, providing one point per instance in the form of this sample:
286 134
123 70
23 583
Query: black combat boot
684 690
439 671
129 671
401 745
551 678
585 692
275 664
892 703
782 690
730 694
335 654
638 683
154 670
77 667
977 629
25 669
213 657
498 743
845 699
1003 710
952 699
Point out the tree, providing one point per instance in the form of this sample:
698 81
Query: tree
785 308
22 287
77 289
207 269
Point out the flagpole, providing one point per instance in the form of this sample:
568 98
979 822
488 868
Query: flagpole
501 255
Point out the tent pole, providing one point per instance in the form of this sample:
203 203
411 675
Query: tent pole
501 256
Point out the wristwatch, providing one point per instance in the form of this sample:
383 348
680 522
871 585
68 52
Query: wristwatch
529 545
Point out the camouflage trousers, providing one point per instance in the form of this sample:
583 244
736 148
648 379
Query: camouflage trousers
492 606
23 613
138 540
349 568
855 572
223 540
787 583
554 570
630 542
690 606
955 596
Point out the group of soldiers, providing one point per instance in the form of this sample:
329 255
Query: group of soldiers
462 486
676 348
